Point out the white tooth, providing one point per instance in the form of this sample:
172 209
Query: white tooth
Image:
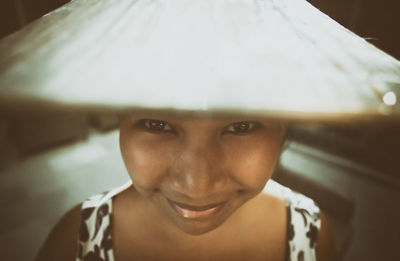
185 213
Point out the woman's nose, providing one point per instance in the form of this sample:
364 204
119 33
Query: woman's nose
198 170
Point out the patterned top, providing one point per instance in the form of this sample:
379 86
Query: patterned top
303 224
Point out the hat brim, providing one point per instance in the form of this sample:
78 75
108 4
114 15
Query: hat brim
277 59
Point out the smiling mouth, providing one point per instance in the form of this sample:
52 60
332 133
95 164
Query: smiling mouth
196 212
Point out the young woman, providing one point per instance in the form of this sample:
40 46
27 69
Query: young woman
196 193
204 86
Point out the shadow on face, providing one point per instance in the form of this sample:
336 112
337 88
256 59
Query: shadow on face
189 166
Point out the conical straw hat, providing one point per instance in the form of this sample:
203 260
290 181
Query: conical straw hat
272 58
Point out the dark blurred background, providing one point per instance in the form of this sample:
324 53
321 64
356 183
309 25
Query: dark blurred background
351 171
14 14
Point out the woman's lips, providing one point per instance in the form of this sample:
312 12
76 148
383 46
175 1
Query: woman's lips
196 212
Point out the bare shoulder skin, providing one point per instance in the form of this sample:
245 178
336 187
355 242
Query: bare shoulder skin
61 243
325 246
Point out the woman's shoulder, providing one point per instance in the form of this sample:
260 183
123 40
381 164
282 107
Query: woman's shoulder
299 207
94 241
309 235
61 243
292 198
82 228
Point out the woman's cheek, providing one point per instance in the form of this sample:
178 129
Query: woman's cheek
252 172
254 167
147 167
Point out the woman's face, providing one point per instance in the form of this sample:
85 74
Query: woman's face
199 171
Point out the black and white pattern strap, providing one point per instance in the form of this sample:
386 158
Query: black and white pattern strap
303 223
302 230
95 242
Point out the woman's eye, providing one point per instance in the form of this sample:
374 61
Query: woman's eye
157 125
241 127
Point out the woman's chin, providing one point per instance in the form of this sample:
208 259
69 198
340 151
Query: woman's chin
197 228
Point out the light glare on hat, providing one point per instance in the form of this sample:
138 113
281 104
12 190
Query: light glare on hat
390 98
